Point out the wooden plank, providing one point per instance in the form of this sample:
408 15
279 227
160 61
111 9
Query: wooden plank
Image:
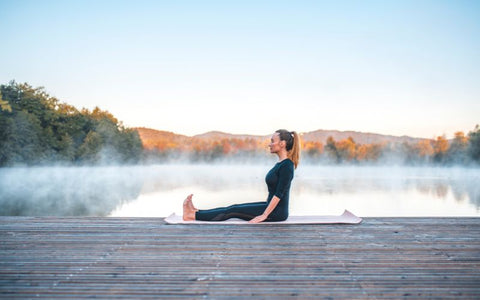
87 257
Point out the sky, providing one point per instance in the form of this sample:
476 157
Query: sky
251 67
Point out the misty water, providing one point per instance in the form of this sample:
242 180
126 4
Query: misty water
158 190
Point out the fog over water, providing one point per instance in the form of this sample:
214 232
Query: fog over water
158 190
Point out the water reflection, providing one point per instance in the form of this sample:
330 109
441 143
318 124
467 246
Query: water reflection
159 190
394 191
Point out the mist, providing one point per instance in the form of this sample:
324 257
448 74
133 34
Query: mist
66 191
158 190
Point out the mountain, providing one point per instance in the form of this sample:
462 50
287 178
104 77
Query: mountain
218 135
152 138
159 139
358 137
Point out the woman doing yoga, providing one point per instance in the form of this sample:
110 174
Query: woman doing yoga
286 145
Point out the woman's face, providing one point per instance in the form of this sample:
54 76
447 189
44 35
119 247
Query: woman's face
275 143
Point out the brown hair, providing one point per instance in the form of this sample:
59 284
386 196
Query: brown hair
292 141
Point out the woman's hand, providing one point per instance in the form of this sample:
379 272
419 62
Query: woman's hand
258 219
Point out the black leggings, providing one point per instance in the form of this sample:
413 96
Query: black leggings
245 211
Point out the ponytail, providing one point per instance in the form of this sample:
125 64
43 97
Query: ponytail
294 154
292 144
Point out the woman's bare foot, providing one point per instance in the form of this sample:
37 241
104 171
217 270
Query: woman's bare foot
188 209
190 202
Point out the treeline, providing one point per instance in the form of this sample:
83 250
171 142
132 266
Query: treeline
170 147
461 150
37 129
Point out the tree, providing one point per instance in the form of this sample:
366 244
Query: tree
4 106
89 151
331 150
474 144
130 147
423 150
66 149
374 152
227 147
457 152
313 149
22 140
346 149
440 148
37 128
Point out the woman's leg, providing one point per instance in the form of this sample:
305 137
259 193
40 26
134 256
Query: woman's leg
245 211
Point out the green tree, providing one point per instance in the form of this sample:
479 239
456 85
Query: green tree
474 144
89 151
66 148
130 146
4 106
22 144
457 152
331 150
35 127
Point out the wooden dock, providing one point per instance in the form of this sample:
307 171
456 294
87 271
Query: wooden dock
145 258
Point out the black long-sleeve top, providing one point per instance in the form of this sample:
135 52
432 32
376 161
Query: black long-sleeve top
278 180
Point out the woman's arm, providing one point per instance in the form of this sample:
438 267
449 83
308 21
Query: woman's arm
271 206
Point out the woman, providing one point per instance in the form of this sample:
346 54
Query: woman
286 145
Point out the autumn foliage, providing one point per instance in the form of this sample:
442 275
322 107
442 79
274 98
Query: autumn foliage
207 147
36 128
221 146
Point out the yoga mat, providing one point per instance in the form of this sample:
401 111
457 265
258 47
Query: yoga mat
345 218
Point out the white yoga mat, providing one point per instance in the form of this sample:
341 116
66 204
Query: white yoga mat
345 218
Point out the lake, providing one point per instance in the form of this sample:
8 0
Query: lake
159 190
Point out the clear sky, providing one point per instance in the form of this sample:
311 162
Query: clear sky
390 67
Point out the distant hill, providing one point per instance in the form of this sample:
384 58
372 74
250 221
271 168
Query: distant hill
148 134
223 135
358 137
366 148
151 137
